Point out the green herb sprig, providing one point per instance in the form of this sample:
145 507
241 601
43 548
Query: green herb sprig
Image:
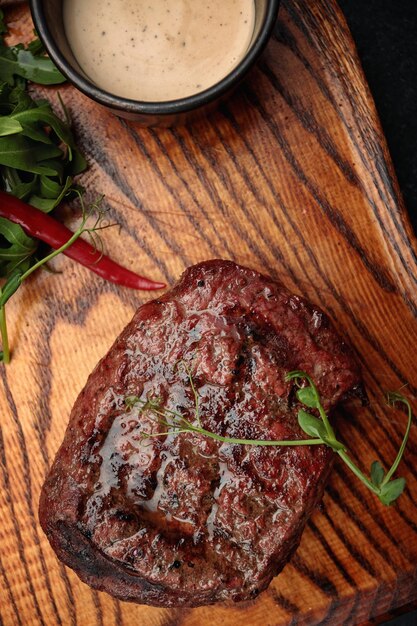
27 62
38 158
91 223
379 482
319 428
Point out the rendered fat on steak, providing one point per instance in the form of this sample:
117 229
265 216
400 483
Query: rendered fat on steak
183 520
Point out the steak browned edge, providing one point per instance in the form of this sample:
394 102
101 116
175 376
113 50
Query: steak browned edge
183 520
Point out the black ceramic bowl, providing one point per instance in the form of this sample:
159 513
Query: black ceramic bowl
47 17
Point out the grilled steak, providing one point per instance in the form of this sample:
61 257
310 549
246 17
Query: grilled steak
183 520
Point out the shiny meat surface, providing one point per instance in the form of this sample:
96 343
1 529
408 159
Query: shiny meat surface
181 520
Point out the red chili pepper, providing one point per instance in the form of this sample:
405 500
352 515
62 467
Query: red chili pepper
47 229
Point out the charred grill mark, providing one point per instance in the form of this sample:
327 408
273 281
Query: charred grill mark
219 277
239 370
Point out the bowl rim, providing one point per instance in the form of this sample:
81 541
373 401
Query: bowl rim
168 107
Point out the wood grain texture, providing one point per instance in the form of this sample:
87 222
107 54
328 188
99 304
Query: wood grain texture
293 178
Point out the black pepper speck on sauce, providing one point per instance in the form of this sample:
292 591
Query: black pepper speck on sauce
160 50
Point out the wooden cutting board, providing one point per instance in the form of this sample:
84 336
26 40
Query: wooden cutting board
292 177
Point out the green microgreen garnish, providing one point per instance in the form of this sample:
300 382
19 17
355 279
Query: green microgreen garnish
177 423
319 428
379 483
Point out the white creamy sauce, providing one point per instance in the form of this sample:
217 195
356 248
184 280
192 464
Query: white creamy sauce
158 50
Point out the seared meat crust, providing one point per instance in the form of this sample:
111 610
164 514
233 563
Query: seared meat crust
184 520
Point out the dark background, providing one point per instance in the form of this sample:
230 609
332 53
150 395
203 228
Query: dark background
385 32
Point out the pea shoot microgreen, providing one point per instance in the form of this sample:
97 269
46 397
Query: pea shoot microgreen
381 483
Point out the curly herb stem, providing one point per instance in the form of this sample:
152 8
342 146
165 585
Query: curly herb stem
18 276
387 490
80 230
392 399
257 442
379 483
185 426
4 336
358 473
